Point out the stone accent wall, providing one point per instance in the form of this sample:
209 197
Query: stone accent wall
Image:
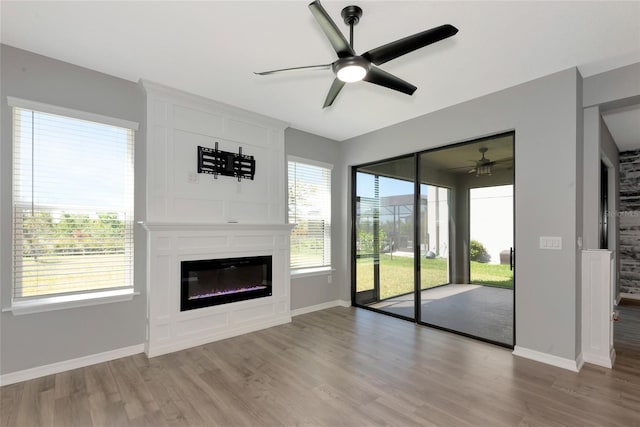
629 220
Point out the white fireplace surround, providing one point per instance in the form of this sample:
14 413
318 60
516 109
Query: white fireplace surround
169 329
191 216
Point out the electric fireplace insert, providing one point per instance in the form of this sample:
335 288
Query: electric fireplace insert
220 281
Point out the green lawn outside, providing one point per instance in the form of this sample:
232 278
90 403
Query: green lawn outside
396 274
70 273
491 274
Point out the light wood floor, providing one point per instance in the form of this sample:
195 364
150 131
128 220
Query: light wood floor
337 367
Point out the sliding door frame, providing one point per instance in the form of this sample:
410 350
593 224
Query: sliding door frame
416 234
354 237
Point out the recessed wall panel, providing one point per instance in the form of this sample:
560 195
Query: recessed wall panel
196 121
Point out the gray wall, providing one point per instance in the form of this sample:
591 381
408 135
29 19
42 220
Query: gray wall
604 92
615 88
578 156
544 115
312 290
33 340
591 154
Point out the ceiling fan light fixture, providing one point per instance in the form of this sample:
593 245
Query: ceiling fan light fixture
351 69
351 73
483 170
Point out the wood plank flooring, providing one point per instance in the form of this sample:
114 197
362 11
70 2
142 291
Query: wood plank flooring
337 367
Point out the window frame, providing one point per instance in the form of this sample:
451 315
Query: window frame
316 270
63 300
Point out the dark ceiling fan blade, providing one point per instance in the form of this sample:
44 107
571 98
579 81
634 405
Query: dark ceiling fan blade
337 39
307 67
382 78
335 89
505 160
392 50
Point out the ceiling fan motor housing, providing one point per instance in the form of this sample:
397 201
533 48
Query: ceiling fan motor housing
351 15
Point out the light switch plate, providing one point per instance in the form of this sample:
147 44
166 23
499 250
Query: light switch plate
550 242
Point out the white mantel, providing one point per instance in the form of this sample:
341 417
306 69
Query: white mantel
191 216
169 329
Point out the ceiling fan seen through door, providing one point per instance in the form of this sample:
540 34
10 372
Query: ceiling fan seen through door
350 67
484 164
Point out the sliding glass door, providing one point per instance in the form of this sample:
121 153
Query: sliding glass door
367 238
417 226
384 236
434 236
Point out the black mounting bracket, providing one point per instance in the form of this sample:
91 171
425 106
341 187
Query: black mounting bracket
218 162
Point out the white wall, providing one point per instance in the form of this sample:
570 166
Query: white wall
177 193
544 115
196 216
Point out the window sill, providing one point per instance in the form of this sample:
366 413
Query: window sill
62 302
309 272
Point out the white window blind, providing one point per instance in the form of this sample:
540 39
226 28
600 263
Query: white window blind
309 188
72 204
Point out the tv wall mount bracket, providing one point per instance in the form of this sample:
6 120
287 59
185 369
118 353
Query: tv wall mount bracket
217 162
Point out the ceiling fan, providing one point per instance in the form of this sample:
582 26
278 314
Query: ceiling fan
350 67
483 165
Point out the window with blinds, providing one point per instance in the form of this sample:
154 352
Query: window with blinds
309 191
72 201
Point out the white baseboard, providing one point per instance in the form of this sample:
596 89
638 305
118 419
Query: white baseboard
629 296
549 359
67 365
323 306
618 298
604 361
579 362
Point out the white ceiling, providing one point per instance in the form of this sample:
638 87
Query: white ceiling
624 126
212 48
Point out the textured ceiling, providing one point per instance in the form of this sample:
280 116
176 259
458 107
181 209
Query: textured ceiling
212 48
